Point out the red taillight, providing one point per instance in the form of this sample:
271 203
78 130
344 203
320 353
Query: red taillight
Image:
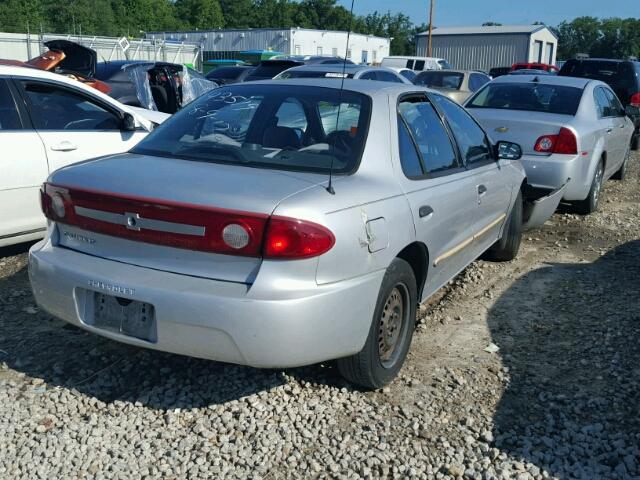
565 142
635 100
289 238
182 225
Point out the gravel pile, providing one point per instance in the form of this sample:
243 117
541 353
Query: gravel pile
524 370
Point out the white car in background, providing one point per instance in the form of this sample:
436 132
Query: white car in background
48 121
417 64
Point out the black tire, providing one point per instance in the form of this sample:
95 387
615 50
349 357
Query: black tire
621 174
635 142
507 247
590 204
375 365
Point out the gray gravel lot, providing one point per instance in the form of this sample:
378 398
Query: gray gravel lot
559 399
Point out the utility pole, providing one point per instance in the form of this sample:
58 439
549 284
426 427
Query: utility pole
430 27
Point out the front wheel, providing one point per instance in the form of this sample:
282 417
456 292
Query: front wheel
391 331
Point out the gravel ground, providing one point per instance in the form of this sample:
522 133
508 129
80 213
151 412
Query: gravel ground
558 399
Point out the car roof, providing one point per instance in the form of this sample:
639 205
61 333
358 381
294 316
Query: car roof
452 70
576 82
366 87
337 68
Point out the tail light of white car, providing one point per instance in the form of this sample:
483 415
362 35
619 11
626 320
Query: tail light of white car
565 142
183 225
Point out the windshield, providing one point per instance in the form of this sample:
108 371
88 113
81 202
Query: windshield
270 126
440 79
531 97
444 64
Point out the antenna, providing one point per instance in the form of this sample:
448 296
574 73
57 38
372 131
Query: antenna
344 68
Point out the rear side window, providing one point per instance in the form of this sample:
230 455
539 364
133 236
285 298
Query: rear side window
602 70
409 64
419 65
409 158
55 108
602 102
477 81
533 97
9 118
429 134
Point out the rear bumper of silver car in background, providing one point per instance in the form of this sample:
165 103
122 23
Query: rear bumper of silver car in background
212 319
552 171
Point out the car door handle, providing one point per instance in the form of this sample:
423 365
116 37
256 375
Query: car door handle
425 211
482 189
64 146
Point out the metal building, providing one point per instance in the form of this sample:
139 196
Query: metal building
292 41
483 48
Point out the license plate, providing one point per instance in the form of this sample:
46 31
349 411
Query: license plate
125 316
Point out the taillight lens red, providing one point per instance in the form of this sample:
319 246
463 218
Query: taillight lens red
289 238
635 100
565 142
224 231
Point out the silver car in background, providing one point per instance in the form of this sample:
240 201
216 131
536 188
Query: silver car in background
458 85
355 72
278 224
570 129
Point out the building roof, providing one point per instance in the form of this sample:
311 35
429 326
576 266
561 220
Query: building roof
488 30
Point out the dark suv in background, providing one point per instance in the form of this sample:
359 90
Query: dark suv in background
623 76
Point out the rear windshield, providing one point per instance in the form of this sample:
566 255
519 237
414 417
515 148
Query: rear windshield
270 69
226 73
440 79
596 69
313 74
268 126
531 97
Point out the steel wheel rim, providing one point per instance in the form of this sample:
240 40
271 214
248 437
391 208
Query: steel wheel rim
392 325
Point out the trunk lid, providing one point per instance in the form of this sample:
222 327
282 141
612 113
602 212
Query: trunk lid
151 187
521 127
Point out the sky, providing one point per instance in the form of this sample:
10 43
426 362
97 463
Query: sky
462 13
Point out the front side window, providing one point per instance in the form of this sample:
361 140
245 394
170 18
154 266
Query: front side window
471 138
9 118
530 97
616 108
54 108
268 126
429 135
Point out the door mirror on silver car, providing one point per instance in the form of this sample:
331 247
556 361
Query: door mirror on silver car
509 151
128 123
632 111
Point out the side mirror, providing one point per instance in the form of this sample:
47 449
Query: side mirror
128 123
632 111
509 151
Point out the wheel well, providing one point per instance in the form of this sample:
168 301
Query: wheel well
417 256
604 160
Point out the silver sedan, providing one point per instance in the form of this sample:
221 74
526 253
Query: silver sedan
571 130
281 224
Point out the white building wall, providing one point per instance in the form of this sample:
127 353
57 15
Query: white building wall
543 47
362 48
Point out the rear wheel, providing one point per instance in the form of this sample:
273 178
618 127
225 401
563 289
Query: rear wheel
635 142
621 174
391 331
590 204
508 246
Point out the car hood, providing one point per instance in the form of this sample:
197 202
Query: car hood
75 58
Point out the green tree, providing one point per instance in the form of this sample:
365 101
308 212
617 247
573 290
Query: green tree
239 14
578 36
200 14
19 15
